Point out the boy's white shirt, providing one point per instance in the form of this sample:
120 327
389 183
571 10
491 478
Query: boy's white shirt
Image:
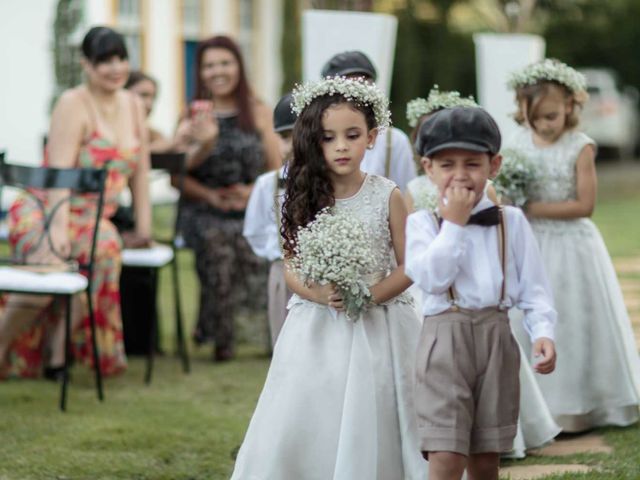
467 258
402 168
260 227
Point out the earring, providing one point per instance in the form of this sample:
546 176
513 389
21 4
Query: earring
369 147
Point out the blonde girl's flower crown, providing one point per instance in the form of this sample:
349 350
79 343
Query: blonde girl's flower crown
436 100
355 90
550 69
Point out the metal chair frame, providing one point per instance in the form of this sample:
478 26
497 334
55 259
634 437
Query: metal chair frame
78 180
174 164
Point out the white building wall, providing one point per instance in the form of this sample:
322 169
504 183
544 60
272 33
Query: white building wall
27 80
268 63
221 17
163 62
97 12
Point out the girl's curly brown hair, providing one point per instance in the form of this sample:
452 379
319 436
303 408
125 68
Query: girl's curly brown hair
308 188
531 95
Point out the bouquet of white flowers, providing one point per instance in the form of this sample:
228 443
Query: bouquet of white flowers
426 196
335 248
515 177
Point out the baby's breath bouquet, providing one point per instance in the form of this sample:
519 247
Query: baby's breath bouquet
335 248
426 196
515 177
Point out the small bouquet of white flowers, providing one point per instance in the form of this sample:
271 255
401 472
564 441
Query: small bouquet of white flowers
426 196
515 177
335 248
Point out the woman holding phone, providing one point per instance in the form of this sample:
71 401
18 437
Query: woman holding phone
231 142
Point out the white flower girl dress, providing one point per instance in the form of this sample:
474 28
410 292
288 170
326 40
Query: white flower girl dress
597 377
337 403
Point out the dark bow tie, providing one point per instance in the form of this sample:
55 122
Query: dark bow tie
486 218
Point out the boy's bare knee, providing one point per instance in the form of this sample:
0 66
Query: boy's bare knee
483 466
446 465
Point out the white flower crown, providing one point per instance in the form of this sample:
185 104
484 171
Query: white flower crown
549 69
355 90
436 100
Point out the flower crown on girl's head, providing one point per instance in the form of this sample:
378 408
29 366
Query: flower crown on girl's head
355 90
436 100
553 70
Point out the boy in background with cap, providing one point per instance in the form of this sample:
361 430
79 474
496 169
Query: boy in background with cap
391 155
262 219
473 261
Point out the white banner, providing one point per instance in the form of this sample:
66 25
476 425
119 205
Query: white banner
327 32
497 55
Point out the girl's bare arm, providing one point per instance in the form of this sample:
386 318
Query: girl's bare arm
585 202
397 282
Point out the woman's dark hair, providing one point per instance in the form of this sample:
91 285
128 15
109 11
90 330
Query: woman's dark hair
136 76
242 93
102 43
308 188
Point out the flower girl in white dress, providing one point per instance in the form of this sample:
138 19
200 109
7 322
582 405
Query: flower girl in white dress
536 427
597 376
337 403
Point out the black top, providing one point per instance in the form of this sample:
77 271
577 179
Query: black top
238 157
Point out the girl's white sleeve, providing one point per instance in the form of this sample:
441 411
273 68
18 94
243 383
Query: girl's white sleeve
260 227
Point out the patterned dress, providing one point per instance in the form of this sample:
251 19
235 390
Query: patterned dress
25 226
230 273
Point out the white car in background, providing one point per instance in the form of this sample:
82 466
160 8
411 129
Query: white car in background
610 116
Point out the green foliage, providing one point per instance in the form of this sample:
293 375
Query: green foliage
597 33
428 53
291 46
181 427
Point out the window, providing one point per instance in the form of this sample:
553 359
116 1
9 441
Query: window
130 26
245 33
191 15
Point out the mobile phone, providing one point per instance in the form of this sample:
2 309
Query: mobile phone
200 106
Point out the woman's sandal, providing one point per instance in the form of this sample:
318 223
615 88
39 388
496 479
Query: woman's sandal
54 374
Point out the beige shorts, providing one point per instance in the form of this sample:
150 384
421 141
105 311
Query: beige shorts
468 389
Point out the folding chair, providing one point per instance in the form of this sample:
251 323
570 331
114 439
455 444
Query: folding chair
161 255
67 281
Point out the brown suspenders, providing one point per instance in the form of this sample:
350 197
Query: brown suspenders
387 162
502 252
276 206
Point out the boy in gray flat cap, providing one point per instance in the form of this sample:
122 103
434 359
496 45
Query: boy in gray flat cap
473 261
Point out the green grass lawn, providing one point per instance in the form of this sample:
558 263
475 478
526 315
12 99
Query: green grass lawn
189 426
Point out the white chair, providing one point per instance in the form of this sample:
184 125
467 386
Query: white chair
161 255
